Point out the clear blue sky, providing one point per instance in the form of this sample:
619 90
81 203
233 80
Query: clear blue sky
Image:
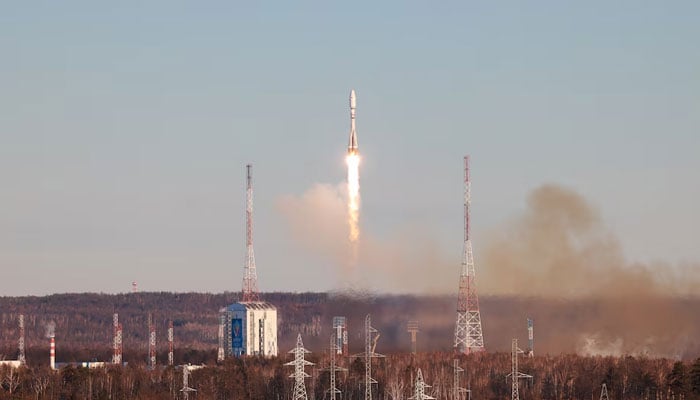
125 128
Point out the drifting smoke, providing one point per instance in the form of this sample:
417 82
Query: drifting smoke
353 162
50 329
556 263
561 248
408 261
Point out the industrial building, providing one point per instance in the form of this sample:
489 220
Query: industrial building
250 328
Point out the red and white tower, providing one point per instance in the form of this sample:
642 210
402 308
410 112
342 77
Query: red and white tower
117 356
468 335
171 342
52 351
250 276
151 342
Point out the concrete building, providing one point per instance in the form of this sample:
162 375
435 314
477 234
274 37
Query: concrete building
250 328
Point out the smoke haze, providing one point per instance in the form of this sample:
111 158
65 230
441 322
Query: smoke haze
556 263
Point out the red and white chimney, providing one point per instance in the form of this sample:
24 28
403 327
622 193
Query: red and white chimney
52 353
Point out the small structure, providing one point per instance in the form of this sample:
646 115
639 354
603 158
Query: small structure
250 328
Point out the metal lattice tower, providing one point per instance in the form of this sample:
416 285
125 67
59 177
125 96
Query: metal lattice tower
186 389
604 392
514 374
299 363
333 367
371 338
117 340
250 275
171 343
222 322
412 328
419 389
456 389
468 334
530 338
340 326
151 342
21 358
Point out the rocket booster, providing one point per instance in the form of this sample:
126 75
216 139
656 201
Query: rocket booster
352 144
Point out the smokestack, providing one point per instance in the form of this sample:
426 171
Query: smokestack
52 353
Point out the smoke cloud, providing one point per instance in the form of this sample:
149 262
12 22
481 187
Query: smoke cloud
560 247
50 329
557 263
408 261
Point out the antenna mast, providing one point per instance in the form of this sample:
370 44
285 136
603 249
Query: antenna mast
250 277
468 334
22 359
117 356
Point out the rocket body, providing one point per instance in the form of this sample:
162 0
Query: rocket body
352 144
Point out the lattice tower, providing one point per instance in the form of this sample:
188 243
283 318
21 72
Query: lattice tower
457 391
530 338
515 375
117 340
222 323
419 388
604 392
299 363
468 334
250 275
21 358
371 338
171 343
333 367
151 342
186 389
412 328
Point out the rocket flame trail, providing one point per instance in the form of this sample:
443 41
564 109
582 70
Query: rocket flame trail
353 161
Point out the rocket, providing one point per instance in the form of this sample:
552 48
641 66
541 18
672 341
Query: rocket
352 144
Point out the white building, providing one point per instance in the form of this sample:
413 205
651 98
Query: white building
250 328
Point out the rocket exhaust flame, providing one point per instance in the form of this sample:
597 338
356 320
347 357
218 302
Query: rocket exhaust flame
353 162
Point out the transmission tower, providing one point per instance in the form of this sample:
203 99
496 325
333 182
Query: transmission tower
604 392
151 342
171 343
117 340
333 367
299 363
468 335
419 389
250 276
21 358
456 389
514 374
412 328
371 338
186 389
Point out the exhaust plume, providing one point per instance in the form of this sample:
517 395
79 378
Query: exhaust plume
353 162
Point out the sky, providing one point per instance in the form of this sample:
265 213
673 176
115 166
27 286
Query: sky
125 129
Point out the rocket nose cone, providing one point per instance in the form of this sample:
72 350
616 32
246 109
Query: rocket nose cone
353 99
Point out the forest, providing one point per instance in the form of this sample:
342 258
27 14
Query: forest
553 378
579 345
